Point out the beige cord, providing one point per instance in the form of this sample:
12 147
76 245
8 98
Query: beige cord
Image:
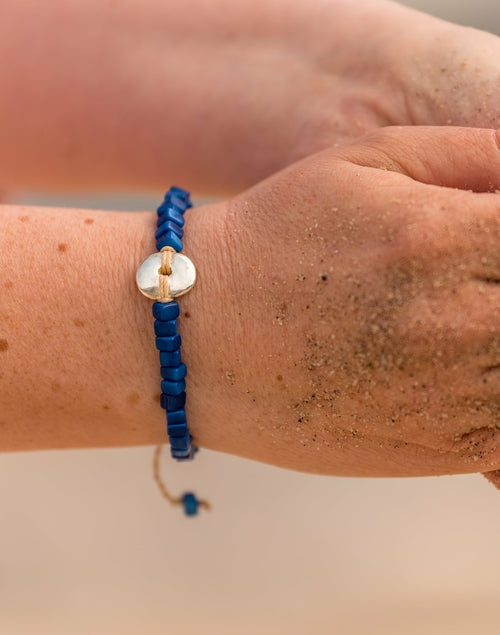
161 485
164 271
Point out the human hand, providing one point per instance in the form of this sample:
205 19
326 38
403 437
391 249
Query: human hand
384 65
359 332
449 74
219 96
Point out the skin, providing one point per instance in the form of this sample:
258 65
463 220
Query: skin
105 95
346 319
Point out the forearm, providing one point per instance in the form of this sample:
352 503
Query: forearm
216 95
78 366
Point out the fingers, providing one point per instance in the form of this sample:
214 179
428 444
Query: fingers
464 158
452 323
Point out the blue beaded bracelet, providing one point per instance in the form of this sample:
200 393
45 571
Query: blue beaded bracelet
163 277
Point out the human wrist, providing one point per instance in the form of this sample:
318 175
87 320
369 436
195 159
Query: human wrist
79 365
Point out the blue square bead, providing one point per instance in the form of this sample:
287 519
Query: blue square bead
174 227
173 402
191 504
170 358
169 240
176 416
178 191
162 329
165 311
168 226
173 373
173 387
165 211
177 429
181 443
182 455
171 343
178 202
170 213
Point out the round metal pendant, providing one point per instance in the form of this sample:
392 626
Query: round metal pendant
180 281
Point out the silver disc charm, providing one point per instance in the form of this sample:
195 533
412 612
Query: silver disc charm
180 281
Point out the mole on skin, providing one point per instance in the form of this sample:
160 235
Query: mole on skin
62 247
4 345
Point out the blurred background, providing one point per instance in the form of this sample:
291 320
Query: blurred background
88 546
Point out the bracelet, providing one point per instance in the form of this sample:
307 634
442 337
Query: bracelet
163 277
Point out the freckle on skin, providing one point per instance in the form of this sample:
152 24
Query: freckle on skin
24 219
133 398
78 322
106 407
8 284
88 221
4 345
62 247
157 397
55 386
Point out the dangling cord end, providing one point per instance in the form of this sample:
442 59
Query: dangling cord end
188 500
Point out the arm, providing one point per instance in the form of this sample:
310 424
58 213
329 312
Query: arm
220 95
78 365
345 321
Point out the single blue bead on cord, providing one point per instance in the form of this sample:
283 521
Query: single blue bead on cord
191 504
165 311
